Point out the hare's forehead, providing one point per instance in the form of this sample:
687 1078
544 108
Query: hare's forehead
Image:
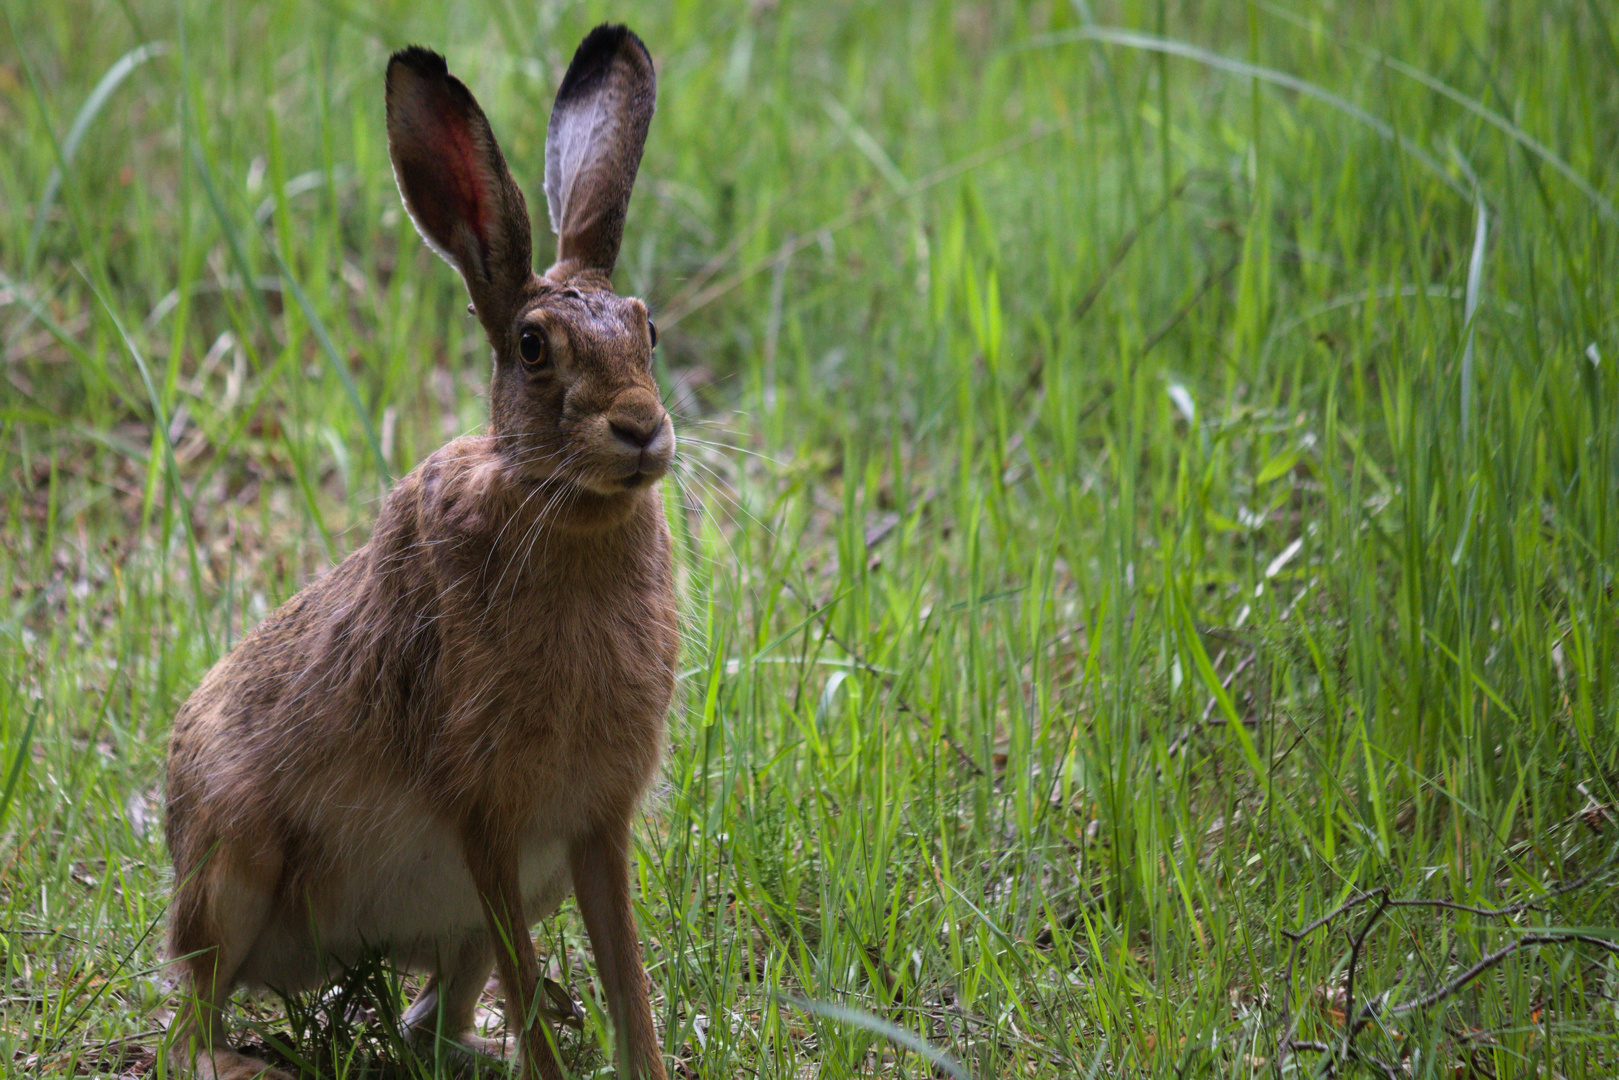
591 311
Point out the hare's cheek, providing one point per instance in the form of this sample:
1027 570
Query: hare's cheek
542 404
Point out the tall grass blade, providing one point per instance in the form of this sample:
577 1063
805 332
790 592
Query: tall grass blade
120 70
1475 281
1131 39
24 745
335 362
877 1025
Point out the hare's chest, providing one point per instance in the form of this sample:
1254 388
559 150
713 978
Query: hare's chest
580 680
588 650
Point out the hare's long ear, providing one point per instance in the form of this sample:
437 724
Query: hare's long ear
593 147
455 183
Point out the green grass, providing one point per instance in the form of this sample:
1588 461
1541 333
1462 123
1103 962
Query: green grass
1151 474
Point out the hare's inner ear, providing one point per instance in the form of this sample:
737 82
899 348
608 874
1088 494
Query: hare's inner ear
593 146
454 180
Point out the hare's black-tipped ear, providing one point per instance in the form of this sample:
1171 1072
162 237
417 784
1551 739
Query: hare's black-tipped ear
454 180
593 146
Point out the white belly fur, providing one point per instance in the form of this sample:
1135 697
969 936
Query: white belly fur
409 896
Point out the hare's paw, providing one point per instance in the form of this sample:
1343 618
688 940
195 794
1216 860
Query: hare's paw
229 1065
465 1048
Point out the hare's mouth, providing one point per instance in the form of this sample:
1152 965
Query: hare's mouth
649 469
616 482
642 477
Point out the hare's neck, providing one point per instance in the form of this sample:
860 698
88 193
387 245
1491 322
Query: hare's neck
582 526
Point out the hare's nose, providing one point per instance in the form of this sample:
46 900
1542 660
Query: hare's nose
636 418
638 431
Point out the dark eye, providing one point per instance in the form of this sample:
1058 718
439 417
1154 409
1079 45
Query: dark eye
531 347
652 328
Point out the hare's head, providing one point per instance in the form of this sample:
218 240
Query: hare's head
572 398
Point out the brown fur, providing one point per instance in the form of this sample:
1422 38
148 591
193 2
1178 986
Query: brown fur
428 748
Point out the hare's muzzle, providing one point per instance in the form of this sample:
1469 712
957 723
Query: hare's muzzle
643 438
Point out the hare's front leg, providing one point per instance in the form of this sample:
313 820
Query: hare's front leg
493 865
601 885
446 1009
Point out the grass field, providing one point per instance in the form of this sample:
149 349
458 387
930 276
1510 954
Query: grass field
1150 478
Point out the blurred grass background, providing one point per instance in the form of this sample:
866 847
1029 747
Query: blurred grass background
1149 475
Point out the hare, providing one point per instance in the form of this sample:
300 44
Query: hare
428 748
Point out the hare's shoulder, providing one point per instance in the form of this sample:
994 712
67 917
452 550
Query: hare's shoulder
457 489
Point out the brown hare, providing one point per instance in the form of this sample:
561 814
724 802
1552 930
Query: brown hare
428 748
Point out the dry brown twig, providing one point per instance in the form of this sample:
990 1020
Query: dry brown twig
1356 1021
